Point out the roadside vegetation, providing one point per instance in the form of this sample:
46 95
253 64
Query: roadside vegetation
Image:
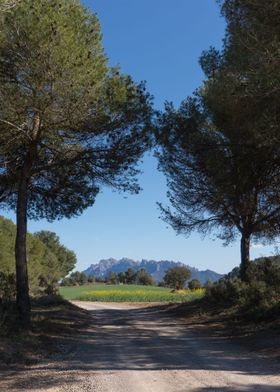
256 299
49 261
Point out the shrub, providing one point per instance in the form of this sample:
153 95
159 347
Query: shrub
226 291
258 298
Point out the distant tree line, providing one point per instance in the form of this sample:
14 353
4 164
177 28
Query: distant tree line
78 278
174 278
131 276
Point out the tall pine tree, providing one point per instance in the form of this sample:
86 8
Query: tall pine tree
220 150
69 124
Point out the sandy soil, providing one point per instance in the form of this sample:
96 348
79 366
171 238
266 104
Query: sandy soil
129 348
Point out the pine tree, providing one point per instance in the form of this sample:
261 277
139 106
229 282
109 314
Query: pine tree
69 124
221 149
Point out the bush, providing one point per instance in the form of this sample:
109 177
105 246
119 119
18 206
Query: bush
258 298
226 292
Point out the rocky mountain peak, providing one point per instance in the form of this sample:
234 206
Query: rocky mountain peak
156 268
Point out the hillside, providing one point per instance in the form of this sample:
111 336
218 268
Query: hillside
156 268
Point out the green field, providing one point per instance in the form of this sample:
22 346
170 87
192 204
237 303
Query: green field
127 293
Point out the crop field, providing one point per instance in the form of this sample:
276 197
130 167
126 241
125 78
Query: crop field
128 293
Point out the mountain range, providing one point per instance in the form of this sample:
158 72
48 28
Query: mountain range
156 268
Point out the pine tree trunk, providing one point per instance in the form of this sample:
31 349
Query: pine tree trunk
245 256
23 301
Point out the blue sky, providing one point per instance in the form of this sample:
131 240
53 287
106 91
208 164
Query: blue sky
159 41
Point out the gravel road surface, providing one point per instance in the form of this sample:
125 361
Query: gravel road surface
134 349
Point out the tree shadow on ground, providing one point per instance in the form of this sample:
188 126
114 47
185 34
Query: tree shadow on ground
247 388
141 339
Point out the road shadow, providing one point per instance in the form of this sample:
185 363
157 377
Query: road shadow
141 339
247 388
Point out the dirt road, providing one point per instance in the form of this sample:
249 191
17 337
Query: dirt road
134 349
